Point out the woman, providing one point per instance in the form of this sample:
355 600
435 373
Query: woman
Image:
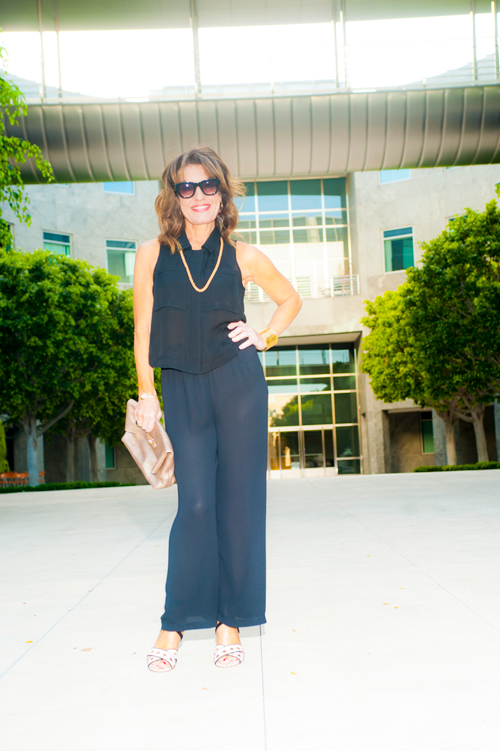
190 322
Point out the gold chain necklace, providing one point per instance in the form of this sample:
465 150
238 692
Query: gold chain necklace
211 275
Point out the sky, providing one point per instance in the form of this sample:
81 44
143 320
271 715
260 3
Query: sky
133 64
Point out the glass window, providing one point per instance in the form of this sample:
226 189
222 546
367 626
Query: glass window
310 385
57 243
307 220
275 237
317 409
329 456
313 235
335 195
336 217
247 203
278 220
398 249
344 383
347 441
248 222
338 234
283 411
346 408
427 433
343 360
110 456
273 196
314 360
289 444
282 385
305 194
280 362
349 466
313 448
124 188
121 259
246 237
273 449
394 175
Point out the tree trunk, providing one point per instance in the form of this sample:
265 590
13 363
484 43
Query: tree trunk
451 446
70 454
29 428
94 470
477 414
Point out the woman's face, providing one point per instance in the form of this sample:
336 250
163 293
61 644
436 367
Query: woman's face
200 209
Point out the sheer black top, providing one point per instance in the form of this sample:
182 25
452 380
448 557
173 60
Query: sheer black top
189 328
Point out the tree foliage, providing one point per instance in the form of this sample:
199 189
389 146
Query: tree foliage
13 152
66 333
437 339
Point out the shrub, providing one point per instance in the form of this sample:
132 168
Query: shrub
65 486
459 467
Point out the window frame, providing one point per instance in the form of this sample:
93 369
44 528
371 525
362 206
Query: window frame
289 268
57 242
420 421
384 239
113 450
397 180
119 192
118 240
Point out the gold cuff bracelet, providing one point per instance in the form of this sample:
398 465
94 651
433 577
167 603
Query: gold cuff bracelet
270 336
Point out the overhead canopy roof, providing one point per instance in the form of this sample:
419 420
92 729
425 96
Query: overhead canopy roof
78 15
278 137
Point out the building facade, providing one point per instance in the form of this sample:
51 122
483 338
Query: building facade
340 240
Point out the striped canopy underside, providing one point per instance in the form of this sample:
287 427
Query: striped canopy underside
269 137
80 15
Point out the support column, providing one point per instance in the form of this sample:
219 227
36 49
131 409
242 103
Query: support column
196 49
335 18
474 46
40 28
439 433
497 427
494 10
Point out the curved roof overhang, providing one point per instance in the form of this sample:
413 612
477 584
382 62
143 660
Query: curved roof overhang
78 15
276 137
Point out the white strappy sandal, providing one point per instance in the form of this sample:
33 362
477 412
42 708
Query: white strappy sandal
231 650
168 655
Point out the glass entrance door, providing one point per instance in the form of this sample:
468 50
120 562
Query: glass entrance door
301 453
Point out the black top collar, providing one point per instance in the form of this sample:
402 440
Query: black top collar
211 244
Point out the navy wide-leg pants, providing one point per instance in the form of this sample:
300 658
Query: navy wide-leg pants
217 422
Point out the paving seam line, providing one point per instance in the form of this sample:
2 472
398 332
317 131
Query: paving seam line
464 604
72 609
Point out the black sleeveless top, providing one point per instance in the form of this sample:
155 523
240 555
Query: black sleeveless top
189 328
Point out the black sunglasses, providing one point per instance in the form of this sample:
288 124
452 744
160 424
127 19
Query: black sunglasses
208 187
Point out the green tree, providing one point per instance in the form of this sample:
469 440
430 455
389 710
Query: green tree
4 464
13 152
436 340
51 308
101 393
393 358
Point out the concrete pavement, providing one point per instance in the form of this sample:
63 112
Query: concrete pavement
383 622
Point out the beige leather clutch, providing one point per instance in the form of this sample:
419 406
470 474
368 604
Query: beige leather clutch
152 452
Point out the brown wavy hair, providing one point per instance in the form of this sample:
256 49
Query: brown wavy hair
170 217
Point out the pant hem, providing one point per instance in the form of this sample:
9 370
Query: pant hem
231 622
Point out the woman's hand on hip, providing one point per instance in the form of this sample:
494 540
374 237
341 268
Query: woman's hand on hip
241 330
146 414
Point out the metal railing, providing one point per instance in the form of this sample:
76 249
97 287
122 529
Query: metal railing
307 286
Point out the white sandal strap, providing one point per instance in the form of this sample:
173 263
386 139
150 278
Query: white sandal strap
169 655
233 650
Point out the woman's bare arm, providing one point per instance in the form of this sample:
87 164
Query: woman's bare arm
257 267
145 261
